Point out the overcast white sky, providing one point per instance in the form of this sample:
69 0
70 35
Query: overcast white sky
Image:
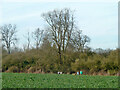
97 19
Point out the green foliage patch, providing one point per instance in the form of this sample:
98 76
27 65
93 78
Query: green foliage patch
22 80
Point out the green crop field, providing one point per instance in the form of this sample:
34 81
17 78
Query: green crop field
22 80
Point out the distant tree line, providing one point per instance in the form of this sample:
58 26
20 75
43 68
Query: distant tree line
60 47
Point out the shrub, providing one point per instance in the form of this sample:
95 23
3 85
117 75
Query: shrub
13 69
112 72
32 69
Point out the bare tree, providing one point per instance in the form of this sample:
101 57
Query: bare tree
24 47
61 25
9 36
38 36
28 41
80 41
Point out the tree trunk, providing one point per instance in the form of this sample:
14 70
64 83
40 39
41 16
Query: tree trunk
8 48
60 57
